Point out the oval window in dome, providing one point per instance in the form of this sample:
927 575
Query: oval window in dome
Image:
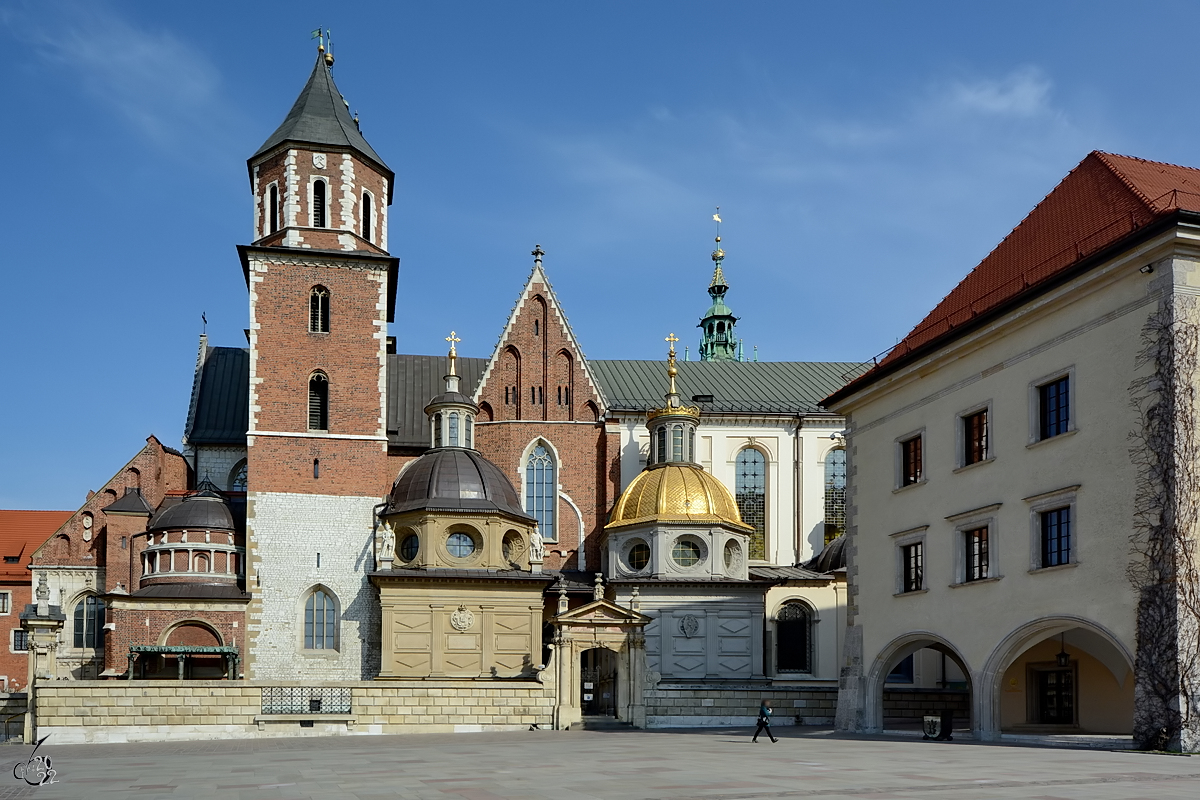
685 553
639 556
460 545
409 547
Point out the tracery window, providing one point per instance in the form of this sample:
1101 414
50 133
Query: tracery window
89 622
318 310
793 634
320 621
835 494
541 491
318 402
751 493
239 477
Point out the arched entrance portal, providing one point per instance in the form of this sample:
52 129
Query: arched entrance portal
917 675
598 673
1059 675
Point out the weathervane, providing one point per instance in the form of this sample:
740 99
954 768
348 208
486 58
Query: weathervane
718 254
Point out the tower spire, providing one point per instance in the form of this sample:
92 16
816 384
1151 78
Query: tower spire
717 342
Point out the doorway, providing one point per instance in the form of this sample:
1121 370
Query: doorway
1053 698
598 682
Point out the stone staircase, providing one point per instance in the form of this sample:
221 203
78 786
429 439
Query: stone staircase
598 723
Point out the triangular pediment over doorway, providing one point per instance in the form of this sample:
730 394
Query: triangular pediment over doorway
601 612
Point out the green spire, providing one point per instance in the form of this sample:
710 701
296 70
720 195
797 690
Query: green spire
717 339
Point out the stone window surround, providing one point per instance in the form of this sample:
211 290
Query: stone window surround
335 652
1048 501
1035 404
813 640
902 539
265 230
982 517
898 460
5 603
960 436
769 461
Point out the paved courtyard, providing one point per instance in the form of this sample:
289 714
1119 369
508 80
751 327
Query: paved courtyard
713 764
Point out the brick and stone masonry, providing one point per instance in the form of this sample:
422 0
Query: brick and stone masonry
537 389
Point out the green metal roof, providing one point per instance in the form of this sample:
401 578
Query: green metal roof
746 387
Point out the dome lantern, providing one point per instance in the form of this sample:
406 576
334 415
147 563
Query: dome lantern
452 414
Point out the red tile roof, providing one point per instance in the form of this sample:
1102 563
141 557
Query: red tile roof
20 534
1103 200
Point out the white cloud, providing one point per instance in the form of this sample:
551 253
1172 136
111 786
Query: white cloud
1023 93
167 90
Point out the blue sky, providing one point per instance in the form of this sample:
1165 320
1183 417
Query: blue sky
865 157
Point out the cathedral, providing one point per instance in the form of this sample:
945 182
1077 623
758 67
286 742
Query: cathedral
654 541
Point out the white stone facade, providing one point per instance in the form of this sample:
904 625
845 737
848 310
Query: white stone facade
297 543
217 464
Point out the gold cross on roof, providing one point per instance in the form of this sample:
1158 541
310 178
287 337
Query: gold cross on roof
672 338
453 340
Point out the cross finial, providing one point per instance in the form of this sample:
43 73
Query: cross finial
453 340
672 371
537 254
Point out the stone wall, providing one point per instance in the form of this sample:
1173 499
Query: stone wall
286 534
671 706
912 704
12 715
144 711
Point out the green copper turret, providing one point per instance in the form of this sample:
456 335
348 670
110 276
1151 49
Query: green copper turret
717 339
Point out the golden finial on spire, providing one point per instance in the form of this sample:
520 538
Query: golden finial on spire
672 370
718 254
453 340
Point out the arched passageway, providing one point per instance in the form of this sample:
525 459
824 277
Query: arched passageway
1059 675
917 675
598 675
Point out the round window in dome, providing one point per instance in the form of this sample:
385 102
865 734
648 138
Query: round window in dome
733 556
639 556
685 553
409 546
460 545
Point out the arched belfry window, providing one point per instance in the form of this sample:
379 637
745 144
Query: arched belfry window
366 216
318 402
751 492
661 455
273 209
454 429
318 204
318 310
89 622
437 430
320 621
793 639
677 443
835 494
541 491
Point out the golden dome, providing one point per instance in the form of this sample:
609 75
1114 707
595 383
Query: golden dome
676 493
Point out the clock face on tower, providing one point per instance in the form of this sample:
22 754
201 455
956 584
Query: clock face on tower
319 160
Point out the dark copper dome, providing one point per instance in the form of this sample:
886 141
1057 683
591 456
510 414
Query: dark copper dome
454 479
832 558
205 510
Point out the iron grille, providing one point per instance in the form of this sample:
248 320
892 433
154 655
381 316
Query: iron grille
306 700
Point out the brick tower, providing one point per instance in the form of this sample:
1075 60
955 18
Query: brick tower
322 291
541 421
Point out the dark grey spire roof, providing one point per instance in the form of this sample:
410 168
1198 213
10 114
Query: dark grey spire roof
131 503
320 116
222 410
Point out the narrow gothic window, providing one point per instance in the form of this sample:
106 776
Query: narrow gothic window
662 444
318 403
238 477
506 401
541 491
273 220
535 327
318 310
793 628
752 498
316 467
454 429
89 622
835 494
470 431
691 449
366 216
318 209
560 395
437 430
677 443
320 622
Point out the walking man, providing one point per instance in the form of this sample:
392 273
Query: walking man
764 721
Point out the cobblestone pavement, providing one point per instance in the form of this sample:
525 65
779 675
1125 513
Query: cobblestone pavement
714 764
